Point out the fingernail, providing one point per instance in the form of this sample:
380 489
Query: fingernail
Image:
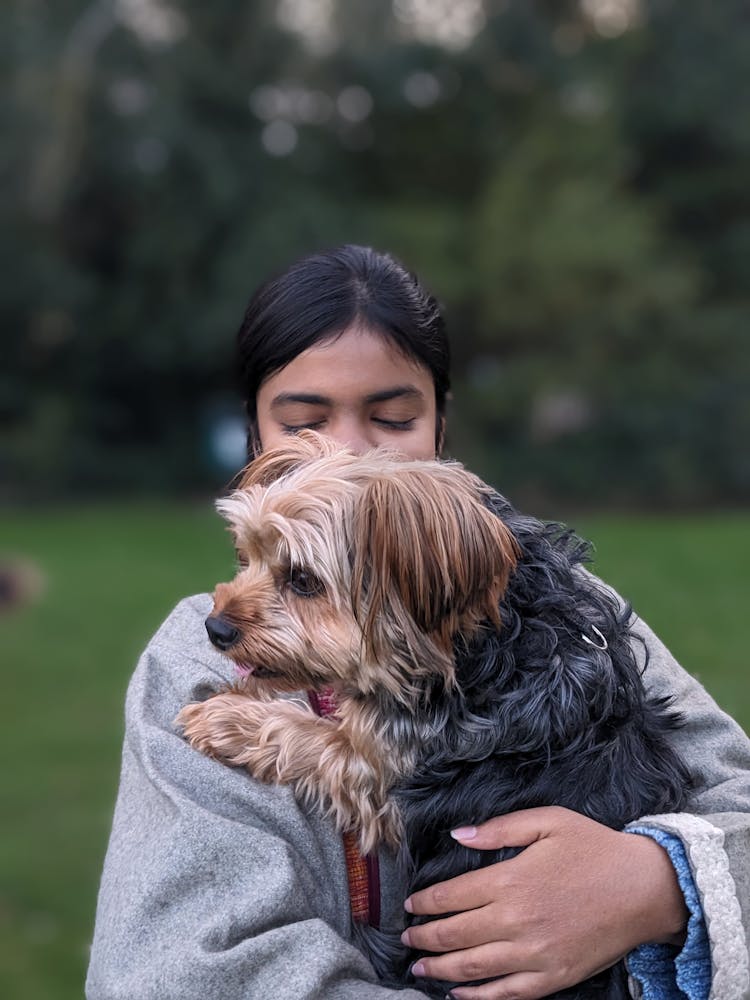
417 969
405 938
464 833
408 906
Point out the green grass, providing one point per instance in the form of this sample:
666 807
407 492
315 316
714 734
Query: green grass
112 576
114 573
688 578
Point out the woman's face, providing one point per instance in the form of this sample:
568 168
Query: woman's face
356 388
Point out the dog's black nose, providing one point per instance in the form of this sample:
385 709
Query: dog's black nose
221 633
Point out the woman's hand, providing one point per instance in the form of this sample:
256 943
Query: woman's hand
578 899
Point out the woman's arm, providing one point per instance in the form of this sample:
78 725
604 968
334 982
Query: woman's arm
214 886
716 830
581 896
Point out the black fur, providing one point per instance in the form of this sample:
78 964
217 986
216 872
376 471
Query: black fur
541 718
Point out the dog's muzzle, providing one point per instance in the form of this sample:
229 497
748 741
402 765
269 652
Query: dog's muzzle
221 633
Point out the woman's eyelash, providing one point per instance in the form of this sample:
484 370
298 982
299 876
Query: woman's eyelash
310 426
396 425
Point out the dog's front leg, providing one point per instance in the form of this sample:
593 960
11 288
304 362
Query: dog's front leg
285 742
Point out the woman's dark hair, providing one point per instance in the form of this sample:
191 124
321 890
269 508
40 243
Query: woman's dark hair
320 296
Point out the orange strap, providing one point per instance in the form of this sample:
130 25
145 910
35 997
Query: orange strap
361 872
359 882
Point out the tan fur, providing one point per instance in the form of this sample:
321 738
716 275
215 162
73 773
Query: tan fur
407 557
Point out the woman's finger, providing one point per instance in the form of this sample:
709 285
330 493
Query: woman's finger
462 930
518 986
483 962
473 889
516 829
464 892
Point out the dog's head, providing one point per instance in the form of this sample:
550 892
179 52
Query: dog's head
356 571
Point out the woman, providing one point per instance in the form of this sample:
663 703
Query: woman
215 886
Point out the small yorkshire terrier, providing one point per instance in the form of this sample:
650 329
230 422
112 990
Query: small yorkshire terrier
477 668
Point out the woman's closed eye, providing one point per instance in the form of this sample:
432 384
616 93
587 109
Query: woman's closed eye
307 425
395 425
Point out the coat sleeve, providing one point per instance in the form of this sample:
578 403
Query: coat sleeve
215 887
716 830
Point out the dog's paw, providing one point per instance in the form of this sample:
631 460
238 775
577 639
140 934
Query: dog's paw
191 720
224 726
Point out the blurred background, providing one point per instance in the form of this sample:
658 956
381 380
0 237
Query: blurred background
570 178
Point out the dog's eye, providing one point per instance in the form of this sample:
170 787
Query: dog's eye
304 583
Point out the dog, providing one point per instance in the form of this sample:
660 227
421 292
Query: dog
478 668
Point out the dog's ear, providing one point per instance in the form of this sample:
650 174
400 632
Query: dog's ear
241 506
426 547
277 462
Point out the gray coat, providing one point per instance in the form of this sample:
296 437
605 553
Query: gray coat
216 887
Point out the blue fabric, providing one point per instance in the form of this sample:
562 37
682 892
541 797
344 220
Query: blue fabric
664 971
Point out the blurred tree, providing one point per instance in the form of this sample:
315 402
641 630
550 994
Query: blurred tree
569 177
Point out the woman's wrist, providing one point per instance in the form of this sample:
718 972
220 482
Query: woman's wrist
662 911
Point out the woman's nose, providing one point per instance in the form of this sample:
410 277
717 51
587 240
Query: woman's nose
354 433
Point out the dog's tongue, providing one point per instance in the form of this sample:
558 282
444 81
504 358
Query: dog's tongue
244 669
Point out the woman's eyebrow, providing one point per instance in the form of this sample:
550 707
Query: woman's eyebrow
300 397
315 399
397 392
